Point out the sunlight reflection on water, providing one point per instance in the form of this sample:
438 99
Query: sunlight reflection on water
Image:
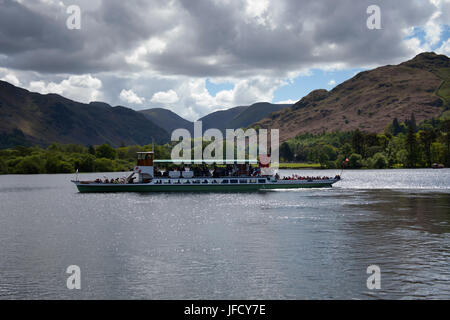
290 244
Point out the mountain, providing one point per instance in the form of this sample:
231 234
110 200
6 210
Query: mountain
33 118
167 119
234 118
220 119
254 113
240 117
371 100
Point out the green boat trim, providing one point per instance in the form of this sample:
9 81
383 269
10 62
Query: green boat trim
85 187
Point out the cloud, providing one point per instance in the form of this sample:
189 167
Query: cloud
11 78
165 98
83 88
129 96
286 102
206 38
162 51
332 82
445 48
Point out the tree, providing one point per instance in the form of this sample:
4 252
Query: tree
323 158
383 140
392 151
396 129
3 167
54 147
411 146
91 150
86 163
51 165
56 165
286 152
65 167
106 151
355 161
437 152
402 156
446 129
104 165
329 150
30 165
74 148
371 140
412 122
427 137
371 151
346 149
379 161
358 142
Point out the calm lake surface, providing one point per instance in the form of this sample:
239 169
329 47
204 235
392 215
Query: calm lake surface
300 244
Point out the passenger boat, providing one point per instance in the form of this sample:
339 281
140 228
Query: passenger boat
236 177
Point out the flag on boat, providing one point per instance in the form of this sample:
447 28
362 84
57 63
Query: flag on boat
264 160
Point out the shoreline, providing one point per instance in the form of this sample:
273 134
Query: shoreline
280 168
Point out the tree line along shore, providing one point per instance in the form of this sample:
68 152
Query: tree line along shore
402 145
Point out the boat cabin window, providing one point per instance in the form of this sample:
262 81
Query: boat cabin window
233 181
145 159
242 181
224 181
261 180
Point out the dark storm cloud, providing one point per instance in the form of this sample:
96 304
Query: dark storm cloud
206 37
38 39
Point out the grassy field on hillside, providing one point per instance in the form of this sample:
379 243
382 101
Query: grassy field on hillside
299 166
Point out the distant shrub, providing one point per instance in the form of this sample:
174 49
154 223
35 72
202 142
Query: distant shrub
87 163
54 164
3 167
30 165
355 161
66 167
104 165
106 151
378 161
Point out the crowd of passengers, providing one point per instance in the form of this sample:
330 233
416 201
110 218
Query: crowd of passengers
308 178
185 181
113 181
204 171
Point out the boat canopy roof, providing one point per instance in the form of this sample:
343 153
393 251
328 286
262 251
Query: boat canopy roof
209 161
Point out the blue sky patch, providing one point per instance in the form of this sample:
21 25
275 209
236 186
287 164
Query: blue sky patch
213 88
319 79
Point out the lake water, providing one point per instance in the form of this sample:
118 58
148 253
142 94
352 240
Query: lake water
297 244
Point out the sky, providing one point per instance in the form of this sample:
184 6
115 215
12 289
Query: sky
198 56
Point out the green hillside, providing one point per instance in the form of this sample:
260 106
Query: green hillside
167 119
254 113
371 100
33 118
